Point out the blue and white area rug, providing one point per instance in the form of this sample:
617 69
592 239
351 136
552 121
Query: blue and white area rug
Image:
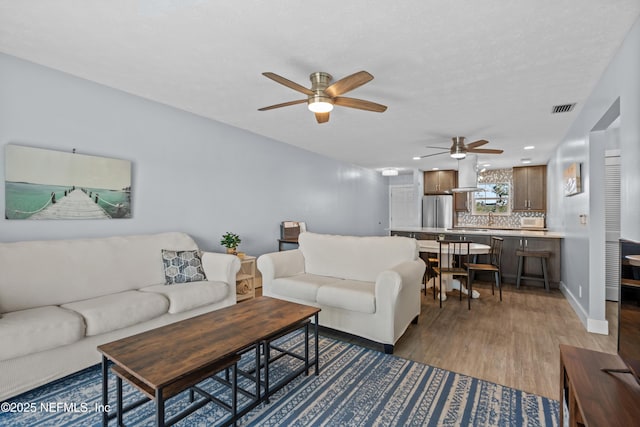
356 387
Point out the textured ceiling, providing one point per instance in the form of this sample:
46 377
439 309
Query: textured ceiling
488 69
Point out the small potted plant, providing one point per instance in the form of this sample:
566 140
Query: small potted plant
231 242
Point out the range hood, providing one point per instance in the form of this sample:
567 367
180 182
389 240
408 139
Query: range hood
467 175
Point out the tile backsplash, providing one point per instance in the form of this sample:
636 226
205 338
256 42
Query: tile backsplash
466 219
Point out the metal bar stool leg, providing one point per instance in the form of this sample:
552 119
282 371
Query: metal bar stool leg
520 266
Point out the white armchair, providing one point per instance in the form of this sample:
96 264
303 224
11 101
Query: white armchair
365 286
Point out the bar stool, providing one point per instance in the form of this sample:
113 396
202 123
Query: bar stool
542 255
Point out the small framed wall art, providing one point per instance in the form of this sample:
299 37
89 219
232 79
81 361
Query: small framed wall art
572 180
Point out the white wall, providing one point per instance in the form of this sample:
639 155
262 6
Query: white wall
189 173
585 143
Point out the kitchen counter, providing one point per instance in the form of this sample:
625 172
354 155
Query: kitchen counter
514 241
500 232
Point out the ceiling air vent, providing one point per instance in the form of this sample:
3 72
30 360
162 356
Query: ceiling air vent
564 108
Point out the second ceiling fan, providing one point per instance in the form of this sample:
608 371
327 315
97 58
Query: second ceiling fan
323 94
459 149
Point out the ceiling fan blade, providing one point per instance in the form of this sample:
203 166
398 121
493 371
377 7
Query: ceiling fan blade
322 117
484 150
288 83
477 143
360 104
439 148
284 104
435 154
348 83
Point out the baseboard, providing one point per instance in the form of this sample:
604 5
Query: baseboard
598 326
611 293
573 302
591 325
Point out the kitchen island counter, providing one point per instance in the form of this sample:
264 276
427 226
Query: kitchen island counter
514 240
487 231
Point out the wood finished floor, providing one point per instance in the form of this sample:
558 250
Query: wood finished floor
513 343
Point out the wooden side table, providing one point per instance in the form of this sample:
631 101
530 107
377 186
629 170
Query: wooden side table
594 397
245 279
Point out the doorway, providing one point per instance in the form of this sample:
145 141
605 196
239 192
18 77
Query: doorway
403 202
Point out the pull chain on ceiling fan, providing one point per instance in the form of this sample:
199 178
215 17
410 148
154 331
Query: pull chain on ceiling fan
323 95
459 150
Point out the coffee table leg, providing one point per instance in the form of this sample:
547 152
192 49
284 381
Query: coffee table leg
267 352
317 345
119 399
159 408
257 372
306 349
234 393
105 391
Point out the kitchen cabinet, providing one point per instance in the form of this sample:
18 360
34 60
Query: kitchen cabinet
461 202
511 243
426 236
529 188
532 265
440 182
402 233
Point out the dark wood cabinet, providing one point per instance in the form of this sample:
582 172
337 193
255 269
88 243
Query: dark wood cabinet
440 182
402 233
461 202
529 188
509 265
532 266
591 397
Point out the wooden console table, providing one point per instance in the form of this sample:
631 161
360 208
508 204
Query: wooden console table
594 397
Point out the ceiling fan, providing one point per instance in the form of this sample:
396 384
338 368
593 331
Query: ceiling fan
323 94
459 149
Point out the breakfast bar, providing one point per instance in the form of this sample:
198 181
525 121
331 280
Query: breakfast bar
514 240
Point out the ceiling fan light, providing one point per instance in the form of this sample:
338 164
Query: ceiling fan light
458 155
320 107
320 104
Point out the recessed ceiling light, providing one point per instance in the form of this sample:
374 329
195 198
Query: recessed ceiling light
416 157
435 169
526 161
389 172
529 147
486 165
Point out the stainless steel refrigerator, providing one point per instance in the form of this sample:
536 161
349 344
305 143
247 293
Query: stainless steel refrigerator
437 211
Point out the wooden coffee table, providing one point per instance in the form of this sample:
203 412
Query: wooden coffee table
165 361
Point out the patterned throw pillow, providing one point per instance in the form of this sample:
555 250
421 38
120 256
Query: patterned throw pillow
182 266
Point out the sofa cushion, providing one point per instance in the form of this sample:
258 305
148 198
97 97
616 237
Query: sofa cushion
354 257
349 295
182 266
117 311
301 286
185 296
38 329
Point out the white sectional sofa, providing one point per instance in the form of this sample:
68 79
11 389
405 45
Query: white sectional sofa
365 286
60 299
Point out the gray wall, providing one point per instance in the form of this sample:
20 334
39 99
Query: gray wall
585 143
190 174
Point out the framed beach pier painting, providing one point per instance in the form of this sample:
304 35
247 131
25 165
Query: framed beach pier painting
48 184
